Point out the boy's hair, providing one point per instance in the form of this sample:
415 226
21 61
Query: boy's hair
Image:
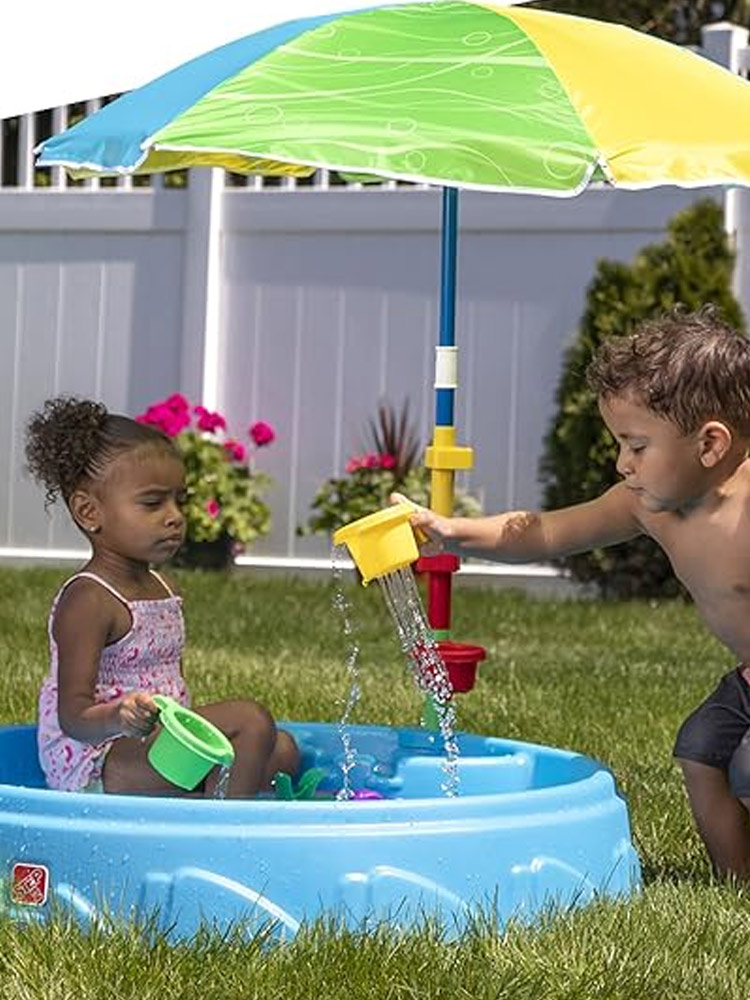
685 367
70 441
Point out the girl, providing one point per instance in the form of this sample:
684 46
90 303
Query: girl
115 628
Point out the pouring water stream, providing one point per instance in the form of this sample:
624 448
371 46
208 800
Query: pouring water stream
423 657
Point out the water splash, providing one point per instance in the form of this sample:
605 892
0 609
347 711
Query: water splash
427 667
222 782
344 610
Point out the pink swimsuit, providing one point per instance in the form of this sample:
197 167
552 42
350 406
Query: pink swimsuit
147 658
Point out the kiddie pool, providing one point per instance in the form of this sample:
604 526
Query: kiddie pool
532 826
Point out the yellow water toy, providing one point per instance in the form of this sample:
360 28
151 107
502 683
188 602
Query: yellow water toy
382 542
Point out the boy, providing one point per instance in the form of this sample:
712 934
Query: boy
675 395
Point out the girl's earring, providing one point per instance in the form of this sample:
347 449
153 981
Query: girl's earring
92 529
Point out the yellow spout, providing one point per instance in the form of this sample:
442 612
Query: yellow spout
380 543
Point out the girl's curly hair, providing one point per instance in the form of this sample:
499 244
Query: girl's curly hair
71 440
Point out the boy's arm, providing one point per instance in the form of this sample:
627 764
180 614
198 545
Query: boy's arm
527 536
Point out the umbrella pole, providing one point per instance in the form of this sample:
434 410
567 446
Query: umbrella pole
444 456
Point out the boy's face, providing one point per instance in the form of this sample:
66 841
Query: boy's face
659 463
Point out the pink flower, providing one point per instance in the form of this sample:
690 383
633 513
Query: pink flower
372 460
213 509
235 450
209 421
169 420
262 433
177 403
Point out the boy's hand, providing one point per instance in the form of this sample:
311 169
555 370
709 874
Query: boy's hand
431 529
138 714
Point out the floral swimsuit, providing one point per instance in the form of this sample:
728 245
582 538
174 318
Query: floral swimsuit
147 658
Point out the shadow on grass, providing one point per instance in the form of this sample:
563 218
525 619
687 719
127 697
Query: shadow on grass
692 871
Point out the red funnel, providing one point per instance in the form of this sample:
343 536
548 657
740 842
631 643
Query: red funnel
461 660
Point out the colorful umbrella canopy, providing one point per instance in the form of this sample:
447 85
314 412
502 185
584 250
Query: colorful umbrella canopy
452 92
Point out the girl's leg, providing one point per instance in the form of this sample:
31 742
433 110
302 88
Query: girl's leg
128 772
721 818
260 749
285 757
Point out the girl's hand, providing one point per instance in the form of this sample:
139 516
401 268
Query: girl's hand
431 529
138 714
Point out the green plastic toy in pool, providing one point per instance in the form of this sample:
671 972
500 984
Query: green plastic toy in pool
306 786
188 745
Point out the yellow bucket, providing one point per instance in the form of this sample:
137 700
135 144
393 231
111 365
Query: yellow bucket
380 543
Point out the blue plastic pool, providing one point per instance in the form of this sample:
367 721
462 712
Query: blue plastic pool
531 825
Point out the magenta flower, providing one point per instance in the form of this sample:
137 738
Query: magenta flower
169 420
372 460
213 509
209 421
236 451
262 433
177 403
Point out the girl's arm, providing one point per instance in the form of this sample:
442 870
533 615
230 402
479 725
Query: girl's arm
526 536
85 619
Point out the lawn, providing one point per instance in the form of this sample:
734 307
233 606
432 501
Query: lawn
612 681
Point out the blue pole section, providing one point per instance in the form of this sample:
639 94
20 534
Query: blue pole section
444 398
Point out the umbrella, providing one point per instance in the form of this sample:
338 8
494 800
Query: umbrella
449 92
454 93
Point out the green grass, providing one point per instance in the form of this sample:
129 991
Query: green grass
612 681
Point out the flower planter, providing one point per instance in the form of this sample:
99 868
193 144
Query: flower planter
216 555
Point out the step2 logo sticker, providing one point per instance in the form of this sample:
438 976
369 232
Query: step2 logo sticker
29 884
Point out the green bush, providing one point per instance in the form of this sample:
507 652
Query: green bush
693 266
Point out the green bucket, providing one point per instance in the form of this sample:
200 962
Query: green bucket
188 745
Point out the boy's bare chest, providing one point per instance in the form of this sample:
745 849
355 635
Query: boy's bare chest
710 555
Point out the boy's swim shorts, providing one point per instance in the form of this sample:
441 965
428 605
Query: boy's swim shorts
714 733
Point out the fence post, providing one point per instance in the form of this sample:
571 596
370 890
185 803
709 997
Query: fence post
727 44
202 287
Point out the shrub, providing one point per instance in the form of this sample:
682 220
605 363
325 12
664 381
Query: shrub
692 266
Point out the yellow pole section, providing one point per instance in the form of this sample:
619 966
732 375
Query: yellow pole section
443 457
